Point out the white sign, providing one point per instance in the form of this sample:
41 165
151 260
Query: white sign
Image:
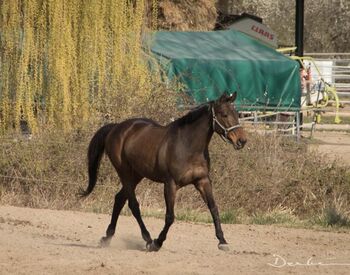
256 30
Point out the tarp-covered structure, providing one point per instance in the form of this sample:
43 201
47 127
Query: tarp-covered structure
211 63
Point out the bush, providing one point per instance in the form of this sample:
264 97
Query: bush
271 180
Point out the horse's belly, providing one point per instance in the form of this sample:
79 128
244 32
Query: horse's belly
145 161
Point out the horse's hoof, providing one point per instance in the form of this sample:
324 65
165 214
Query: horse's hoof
105 241
152 246
224 247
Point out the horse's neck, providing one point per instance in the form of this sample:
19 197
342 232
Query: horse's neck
198 133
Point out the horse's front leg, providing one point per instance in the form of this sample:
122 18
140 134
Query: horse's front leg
169 195
205 188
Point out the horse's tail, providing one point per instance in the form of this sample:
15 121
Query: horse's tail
95 153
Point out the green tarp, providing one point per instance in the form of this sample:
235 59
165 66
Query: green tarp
211 63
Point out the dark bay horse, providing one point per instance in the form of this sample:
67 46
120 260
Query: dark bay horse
175 154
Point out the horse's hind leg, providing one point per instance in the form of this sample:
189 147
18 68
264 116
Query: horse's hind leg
169 195
119 202
135 209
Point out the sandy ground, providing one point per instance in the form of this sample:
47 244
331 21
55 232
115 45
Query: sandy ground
35 241
335 144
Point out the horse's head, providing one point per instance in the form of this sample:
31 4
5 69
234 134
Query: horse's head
226 122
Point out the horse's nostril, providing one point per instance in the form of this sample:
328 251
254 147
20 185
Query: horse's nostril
242 141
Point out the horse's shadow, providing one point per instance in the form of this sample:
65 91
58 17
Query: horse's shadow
78 245
121 243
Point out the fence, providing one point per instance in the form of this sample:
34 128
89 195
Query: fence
335 68
331 69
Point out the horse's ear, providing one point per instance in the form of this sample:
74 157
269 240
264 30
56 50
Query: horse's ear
228 98
232 97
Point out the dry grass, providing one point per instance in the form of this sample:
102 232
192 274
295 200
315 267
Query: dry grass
187 15
272 180
95 72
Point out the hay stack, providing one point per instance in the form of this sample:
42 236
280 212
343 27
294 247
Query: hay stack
183 15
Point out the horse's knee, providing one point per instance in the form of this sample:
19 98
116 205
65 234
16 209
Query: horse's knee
169 219
214 209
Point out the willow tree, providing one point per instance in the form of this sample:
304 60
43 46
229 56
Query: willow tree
64 61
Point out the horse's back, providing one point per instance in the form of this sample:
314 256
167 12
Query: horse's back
136 144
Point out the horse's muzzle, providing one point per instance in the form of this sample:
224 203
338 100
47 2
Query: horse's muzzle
239 143
237 138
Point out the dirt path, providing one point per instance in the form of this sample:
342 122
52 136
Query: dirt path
335 144
34 241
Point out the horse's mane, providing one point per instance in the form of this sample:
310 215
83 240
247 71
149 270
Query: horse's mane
192 115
